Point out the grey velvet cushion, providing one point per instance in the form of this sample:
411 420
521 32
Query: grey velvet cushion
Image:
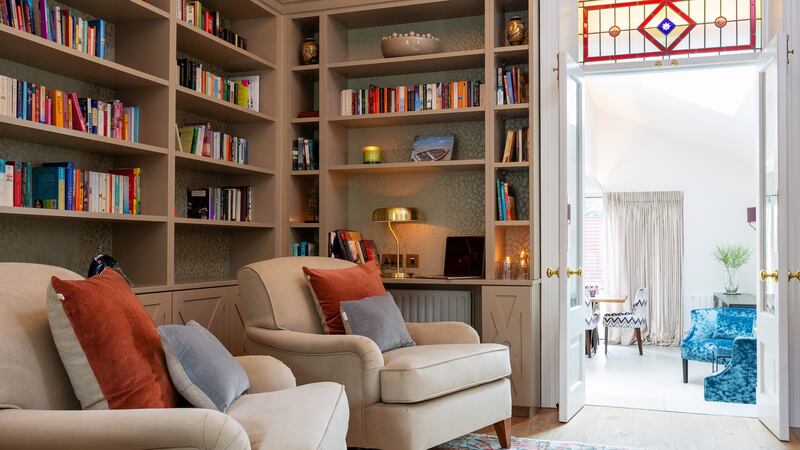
377 318
202 370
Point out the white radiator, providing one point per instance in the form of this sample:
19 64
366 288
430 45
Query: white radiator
435 306
702 301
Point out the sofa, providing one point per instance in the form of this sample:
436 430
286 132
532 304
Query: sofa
737 382
411 398
708 333
38 408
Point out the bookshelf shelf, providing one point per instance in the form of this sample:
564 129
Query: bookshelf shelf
191 161
408 167
305 173
514 165
512 223
238 10
204 105
311 69
121 11
512 111
512 54
32 50
80 215
303 225
300 120
196 42
463 59
222 223
398 14
39 133
410 118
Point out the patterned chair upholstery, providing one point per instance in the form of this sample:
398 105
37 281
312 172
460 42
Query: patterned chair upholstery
737 382
636 318
709 333
591 317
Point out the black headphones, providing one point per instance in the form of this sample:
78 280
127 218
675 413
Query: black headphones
99 263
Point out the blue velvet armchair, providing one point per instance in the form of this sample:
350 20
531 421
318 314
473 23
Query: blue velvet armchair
737 382
713 329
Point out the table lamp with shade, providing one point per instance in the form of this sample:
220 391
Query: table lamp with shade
395 215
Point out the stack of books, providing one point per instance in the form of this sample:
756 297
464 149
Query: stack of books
348 245
518 144
433 96
233 204
202 140
241 91
506 207
305 154
29 101
304 248
196 14
63 186
56 24
512 85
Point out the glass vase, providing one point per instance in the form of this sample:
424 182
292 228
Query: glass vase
731 285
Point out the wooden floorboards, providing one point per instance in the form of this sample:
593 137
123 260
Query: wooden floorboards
651 430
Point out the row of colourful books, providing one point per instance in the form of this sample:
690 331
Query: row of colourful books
517 146
305 154
242 91
29 101
62 186
203 140
57 24
233 204
432 96
304 248
196 14
512 85
506 207
348 245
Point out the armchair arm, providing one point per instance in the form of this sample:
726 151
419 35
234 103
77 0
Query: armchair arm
183 428
266 373
442 333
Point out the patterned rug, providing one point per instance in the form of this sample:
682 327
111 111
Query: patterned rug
485 442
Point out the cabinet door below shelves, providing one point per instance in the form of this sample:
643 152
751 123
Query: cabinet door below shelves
509 316
208 307
237 324
159 306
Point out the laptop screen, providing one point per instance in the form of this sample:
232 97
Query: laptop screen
464 256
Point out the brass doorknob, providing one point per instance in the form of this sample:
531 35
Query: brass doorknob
574 272
550 272
769 275
794 276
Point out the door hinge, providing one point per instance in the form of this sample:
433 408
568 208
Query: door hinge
558 64
789 50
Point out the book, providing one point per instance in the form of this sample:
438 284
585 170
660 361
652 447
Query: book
517 145
241 91
196 14
512 85
305 154
430 96
234 204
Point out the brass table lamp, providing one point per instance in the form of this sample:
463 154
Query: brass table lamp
389 215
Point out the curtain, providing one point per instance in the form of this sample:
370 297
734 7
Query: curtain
644 234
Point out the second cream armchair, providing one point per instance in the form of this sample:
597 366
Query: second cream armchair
411 398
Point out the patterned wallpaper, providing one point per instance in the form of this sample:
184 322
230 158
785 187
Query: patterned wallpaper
202 253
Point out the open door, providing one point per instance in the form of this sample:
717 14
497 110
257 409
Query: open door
572 388
772 326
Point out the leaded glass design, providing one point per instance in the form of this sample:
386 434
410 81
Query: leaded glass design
614 30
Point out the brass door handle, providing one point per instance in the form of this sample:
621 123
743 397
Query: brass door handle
574 272
550 272
794 276
769 275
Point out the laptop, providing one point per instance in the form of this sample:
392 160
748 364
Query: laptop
463 258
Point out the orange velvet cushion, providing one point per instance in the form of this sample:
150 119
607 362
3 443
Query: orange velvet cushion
100 322
333 286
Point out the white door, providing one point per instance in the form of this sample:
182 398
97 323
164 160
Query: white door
772 332
572 386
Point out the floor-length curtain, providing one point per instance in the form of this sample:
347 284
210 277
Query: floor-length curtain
644 232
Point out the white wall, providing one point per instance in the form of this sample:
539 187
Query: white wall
691 131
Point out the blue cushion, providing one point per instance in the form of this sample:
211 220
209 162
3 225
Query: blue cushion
731 325
201 368
377 318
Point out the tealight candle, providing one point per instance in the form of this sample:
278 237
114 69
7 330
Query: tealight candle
372 154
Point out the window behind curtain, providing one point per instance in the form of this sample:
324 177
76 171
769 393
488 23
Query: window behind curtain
594 242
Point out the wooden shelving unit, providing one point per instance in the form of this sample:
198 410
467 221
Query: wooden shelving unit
408 167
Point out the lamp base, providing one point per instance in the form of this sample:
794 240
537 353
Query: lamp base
397 275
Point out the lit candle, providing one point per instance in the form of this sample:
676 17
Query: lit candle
507 268
372 154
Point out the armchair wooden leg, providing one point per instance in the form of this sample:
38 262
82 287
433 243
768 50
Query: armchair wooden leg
606 330
503 430
639 340
587 337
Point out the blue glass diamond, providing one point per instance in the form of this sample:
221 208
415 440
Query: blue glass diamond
666 26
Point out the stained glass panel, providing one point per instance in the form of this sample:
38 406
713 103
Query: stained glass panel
614 30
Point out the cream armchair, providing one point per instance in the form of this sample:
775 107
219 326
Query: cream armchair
38 409
411 398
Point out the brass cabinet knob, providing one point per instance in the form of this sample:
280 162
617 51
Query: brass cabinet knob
575 272
550 272
769 275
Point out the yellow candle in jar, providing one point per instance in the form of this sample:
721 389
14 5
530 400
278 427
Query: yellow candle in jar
372 154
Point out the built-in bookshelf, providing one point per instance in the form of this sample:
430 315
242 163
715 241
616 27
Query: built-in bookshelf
457 196
161 248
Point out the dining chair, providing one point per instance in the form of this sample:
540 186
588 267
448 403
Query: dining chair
636 318
591 317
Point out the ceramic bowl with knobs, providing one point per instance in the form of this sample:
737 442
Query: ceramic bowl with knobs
409 44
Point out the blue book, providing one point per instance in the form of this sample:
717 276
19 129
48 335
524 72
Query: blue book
22 109
136 123
304 248
296 249
499 191
69 182
45 187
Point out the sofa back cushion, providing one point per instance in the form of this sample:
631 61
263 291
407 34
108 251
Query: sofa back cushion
731 325
31 373
108 344
274 293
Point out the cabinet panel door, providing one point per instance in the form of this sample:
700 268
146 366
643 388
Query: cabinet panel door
506 318
208 307
237 324
159 306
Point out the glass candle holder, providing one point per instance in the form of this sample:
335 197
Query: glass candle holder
371 154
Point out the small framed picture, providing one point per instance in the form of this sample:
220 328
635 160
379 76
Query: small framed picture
433 148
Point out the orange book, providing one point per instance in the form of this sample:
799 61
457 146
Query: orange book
58 107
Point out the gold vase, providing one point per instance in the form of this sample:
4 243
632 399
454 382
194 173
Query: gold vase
310 51
516 31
